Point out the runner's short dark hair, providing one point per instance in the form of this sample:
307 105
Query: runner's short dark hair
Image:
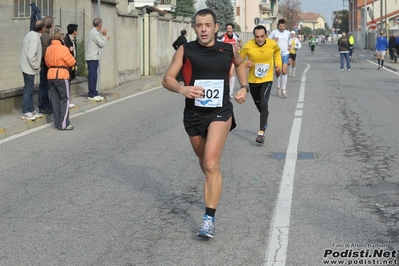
204 12
183 32
71 28
281 21
259 27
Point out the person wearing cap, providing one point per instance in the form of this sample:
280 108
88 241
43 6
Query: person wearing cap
59 60
293 45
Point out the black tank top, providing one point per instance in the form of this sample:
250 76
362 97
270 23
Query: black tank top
200 62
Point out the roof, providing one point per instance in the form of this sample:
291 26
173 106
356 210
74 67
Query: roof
309 16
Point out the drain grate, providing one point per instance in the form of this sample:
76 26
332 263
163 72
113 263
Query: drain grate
300 155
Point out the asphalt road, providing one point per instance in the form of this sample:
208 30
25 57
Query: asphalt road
124 187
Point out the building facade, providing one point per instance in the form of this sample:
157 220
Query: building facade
368 17
248 14
140 44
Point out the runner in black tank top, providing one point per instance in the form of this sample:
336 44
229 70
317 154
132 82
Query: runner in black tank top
200 62
208 115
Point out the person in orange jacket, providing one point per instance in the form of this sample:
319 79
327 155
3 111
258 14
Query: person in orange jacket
58 58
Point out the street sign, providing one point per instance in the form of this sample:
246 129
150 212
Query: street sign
373 24
397 20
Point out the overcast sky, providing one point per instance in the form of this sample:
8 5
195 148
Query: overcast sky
324 7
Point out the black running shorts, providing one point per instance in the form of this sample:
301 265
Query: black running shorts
293 57
197 123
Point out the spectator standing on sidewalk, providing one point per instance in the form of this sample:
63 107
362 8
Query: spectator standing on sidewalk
180 40
95 42
71 44
208 112
343 48
30 60
59 60
381 46
351 44
392 45
176 44
43 95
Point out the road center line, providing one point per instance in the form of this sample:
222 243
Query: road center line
276 253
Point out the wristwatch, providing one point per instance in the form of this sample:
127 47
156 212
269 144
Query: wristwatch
246 87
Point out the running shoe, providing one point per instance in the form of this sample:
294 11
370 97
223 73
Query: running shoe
279 93
37 115
70 127
28 116
284 93
261 137
207 229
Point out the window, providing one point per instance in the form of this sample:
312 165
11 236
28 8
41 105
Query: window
23 8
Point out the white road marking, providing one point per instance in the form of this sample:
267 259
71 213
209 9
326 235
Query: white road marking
276 253
74 115
384 68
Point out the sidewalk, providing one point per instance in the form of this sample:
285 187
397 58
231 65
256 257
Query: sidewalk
11 124
387 64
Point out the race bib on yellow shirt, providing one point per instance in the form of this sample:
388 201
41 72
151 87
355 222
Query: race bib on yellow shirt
213 92
261 70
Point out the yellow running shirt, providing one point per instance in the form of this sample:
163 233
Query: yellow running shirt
264 59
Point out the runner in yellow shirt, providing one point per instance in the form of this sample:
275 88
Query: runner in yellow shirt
262 57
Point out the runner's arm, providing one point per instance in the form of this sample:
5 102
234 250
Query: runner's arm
278 62
241 73
298 44
169 80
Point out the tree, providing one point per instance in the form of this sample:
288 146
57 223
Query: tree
306 31
341 20
185 8
224 11
290 10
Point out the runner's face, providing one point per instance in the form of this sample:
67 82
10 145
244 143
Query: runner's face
281 27
205 29
260 37
292 35
229 30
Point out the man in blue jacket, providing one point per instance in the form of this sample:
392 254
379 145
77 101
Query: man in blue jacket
381 46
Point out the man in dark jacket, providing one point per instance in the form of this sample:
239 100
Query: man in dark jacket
44 100
343 48
180 41
70 42
392 44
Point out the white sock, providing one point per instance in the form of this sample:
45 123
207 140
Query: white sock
231 84
284 81
293 70
279 81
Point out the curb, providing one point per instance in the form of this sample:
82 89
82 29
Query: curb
13 124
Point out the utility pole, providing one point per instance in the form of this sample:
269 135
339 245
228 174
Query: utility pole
364 30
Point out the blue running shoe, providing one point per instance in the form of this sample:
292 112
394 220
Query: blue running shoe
207 227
